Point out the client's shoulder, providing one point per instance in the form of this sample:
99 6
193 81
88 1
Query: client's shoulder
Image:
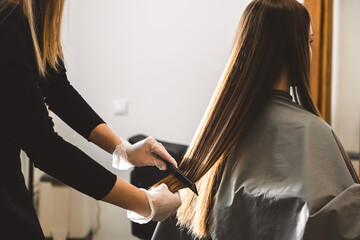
285 113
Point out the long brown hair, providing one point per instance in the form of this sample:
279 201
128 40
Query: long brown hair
272 37
45 23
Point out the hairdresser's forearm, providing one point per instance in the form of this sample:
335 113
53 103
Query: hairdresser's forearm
105 138
127 196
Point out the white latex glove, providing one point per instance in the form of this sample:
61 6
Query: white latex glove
140 154
163 204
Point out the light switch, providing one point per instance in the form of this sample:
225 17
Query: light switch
120 106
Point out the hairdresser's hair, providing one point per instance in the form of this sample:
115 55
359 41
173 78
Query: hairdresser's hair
272 37
45 22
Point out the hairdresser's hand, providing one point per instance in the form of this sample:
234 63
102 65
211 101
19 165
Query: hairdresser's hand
140 154
163 204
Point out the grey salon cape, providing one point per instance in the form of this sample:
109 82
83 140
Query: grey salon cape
288 178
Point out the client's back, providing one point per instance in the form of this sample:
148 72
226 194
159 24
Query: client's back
289 178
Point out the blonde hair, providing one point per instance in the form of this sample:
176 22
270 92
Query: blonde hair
272 36
49 29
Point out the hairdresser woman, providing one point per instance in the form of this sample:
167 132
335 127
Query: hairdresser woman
32 74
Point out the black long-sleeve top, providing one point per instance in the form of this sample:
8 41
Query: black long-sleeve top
25 124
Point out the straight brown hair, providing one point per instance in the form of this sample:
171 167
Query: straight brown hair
272 37
44 24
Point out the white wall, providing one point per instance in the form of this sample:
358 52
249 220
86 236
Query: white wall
346 73
165 57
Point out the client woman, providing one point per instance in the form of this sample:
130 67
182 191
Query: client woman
267 167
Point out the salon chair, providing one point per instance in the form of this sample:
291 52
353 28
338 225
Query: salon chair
145 177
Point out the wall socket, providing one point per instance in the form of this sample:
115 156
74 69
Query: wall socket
120 106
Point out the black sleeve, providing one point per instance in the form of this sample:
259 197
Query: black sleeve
26 119
67 103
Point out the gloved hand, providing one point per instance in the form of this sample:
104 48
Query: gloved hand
140 154
163 204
